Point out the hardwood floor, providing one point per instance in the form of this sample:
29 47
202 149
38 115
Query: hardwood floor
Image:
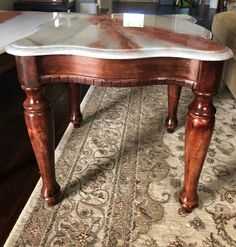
18 169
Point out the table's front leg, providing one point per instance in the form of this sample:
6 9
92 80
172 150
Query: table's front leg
199 128
198 131
174 92
40 126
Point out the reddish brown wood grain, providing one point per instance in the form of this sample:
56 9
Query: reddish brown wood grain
117 73
174 92
40 126
39 123
198 130
75 100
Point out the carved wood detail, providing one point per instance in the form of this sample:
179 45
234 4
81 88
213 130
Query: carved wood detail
117 73
113 82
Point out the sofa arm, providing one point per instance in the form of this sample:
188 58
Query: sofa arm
224 32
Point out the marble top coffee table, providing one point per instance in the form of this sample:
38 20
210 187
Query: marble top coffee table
16 25
123 50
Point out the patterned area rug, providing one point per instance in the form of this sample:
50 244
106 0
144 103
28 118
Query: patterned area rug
120 175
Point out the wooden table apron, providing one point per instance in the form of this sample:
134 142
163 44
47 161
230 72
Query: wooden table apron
202 76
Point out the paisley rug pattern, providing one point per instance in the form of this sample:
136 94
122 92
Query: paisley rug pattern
121 172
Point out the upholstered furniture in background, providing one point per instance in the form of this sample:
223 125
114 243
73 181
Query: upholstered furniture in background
224 31
231 5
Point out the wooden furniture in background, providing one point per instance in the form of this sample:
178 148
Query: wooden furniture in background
222 4
45 6
46 1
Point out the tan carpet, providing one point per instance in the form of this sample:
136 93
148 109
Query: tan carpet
120 175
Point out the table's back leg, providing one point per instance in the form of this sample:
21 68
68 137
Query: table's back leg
39 121
174 92
75 101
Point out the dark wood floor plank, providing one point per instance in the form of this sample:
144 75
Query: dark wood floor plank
18 169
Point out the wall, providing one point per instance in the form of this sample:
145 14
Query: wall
6 4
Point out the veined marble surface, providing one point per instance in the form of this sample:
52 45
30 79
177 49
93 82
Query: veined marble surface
121 36
16 25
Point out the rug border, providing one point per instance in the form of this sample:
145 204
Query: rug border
29 206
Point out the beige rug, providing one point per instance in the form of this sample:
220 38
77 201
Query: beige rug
120 175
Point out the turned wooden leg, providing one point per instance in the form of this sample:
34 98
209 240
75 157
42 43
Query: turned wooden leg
198 131
174 92
40 126
39 123
75 100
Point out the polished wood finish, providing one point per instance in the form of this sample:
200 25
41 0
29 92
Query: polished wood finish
75 101
108 72
174 92
202 77
198 130
39 124
40 127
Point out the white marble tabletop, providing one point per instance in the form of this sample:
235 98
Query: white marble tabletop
15 25
121 36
